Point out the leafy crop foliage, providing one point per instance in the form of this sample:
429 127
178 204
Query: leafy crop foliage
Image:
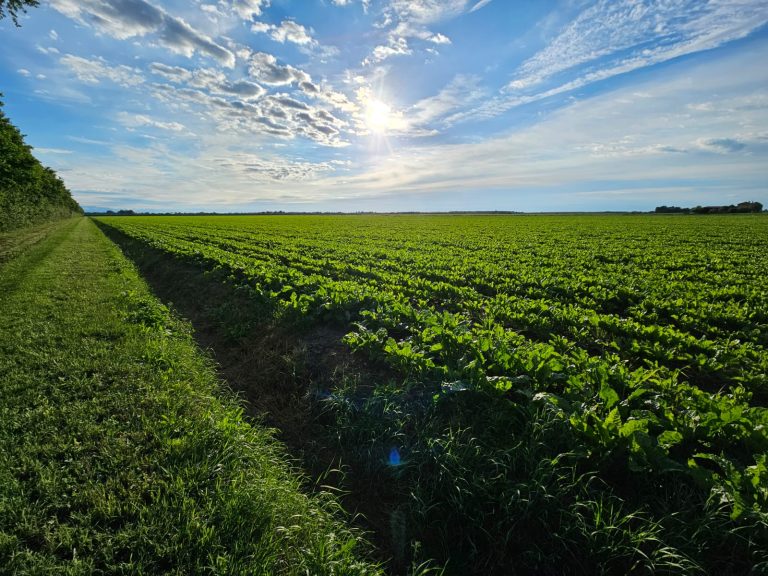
30 193
575 394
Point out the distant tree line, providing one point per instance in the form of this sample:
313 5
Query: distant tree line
740 208
113 213
30 193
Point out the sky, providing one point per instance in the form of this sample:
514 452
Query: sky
394 105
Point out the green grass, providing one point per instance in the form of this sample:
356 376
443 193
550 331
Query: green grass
14 243
120 452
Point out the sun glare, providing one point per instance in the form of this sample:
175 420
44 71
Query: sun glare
378 116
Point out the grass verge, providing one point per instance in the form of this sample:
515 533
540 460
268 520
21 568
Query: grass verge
119 451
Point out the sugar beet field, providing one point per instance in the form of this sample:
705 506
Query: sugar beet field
524 394
482 394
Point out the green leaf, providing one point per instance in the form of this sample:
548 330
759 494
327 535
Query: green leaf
630 427
669 438
609 395
613 421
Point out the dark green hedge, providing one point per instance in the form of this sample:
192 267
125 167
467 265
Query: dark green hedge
30 193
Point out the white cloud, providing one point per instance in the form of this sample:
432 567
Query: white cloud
24 72
261 27
397 46
287 31
410 19
49 50
241 88
365 3
211 80
142 120
439 39
123 19
173 73
227 109
91 141
688 126
264 67
290 31
156 177
247 9
641 144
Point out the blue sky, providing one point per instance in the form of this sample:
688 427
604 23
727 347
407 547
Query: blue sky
529 105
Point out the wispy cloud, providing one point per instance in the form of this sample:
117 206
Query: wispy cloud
52 151
480 4
461 93
613 37
93 71
142 120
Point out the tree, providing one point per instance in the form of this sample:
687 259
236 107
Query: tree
749 207
13 7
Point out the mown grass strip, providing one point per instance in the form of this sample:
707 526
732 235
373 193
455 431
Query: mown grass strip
119 452
17 242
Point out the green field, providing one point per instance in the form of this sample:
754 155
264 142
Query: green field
507 394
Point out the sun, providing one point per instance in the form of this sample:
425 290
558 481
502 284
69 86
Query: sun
378 116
